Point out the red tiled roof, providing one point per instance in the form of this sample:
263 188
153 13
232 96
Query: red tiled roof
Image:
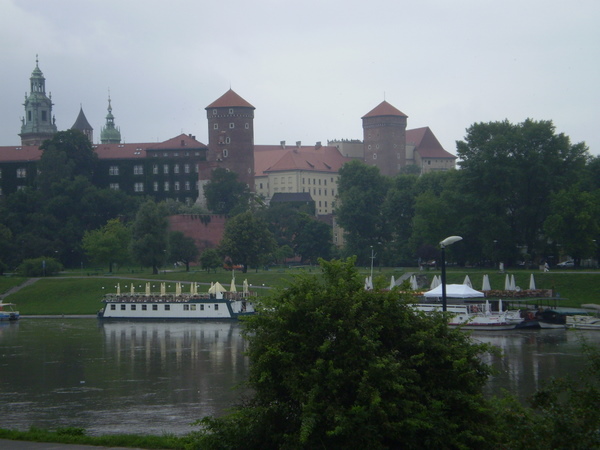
121 151
274 158
384 109
230 99
183 140
20 153
426 143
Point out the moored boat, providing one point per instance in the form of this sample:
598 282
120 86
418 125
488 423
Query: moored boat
216 304
7 312
475 316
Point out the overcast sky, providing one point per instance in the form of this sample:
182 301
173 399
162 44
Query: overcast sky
311 68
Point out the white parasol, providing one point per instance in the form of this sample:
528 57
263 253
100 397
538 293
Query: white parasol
486 283
532 283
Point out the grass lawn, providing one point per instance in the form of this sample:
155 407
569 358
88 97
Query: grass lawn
71 293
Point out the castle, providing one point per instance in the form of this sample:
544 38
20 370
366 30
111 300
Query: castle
180 167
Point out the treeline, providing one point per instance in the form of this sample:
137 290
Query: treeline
521 194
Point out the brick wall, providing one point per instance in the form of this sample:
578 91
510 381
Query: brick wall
206 229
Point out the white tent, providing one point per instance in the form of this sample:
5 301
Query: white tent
507 283
467 281
454 291
413 283
532 283
435 282
513 285
392 283
486 283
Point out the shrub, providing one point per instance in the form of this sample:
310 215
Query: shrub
39 267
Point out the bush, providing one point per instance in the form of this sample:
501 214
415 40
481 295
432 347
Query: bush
39 267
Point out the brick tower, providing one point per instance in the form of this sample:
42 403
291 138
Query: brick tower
231 136
384 137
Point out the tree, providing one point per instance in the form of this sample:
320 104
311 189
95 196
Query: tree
109 244
247 240
335 366
509 173
224 192
182 248
210 259
149 236
313 239
361 190
66 155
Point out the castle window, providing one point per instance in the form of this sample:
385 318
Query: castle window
176 185
231 125
374 155
166 168
113 170
138 187
247 126
230 110
114 186
215 126
176 168
155 169
186 168
225 152
44 116
0 173
166 186
214 112
21 172
187 185
228 140
138 170
197 185
155 186
197 168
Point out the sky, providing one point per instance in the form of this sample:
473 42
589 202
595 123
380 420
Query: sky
311 69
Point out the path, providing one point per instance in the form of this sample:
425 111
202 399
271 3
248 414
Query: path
18 288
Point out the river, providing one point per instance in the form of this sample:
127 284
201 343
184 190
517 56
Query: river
159 377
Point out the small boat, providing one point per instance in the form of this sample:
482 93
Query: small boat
589 321
216 304
475 316
7 313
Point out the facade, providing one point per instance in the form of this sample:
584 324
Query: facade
38 123
82 124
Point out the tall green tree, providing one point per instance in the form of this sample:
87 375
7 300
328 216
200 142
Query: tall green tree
313 239
247 240
210 259
182 248
225 194
361 192
149 241
335 366
109 244
510 171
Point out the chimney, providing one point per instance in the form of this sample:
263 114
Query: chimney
298 144
318 145
282 143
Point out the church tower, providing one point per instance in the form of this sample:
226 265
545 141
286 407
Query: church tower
83 125
38 123
384 137
110 134
231 136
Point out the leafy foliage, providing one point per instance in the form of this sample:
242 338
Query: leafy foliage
210 259
39 267
109 244
182 249
335 366
225 194
149 236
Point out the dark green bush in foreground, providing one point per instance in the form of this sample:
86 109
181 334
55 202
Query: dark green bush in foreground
39 267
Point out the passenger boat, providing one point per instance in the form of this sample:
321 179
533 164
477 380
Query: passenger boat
470 316
217 303
590 321
7 313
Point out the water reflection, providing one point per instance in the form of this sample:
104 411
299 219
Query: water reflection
155 377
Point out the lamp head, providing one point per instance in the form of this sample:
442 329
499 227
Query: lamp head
449 241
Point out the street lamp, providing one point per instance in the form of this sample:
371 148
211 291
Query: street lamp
372 259
445 243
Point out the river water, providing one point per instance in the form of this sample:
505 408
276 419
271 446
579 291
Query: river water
159 377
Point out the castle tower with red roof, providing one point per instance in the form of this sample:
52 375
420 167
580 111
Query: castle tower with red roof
231 136
384 131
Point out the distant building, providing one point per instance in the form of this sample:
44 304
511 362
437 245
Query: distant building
110 134
82 124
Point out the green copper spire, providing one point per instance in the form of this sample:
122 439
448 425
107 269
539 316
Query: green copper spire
38 123
110 134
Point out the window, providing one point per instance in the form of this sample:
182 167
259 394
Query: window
186 307
193 307
231 125
197 168
197 185
166 186
133 307
0 173
247 126
167 307
225 152
201 307
165 168
155 169
113 170
113 307
187 185
144 307
138 187
154 307
114 186
176 185
374 155
123 307
216 306
215 126
44 116
138 170
230 110
214 111
155 186
21 172
176 168
186 168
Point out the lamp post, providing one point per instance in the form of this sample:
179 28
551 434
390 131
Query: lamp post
372 259
443 244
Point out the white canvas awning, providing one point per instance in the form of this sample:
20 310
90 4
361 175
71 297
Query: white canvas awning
454 291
